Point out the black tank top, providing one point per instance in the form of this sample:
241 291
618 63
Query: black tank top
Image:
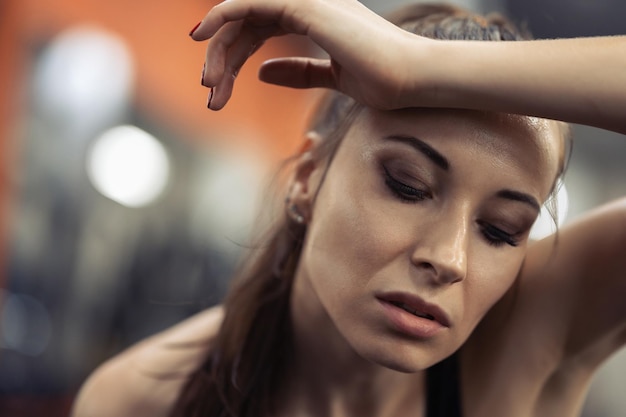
443 394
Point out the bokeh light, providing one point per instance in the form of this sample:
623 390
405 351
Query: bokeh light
85 77
545 225
128 165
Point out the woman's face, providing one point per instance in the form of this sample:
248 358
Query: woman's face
421 225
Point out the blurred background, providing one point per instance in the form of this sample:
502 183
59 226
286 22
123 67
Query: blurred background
124 201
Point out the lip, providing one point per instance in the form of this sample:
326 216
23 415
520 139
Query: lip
409 323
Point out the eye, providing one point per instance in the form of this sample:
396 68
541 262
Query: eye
497 237
403 191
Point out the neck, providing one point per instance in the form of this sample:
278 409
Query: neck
327 377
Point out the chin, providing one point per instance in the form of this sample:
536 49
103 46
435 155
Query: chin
402 358
402 366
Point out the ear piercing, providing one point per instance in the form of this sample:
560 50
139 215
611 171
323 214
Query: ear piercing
295 214
293 211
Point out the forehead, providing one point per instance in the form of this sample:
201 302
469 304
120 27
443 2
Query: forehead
512 142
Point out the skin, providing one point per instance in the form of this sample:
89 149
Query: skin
576 80
364 240
535 320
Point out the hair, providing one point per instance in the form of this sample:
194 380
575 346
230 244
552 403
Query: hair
246 358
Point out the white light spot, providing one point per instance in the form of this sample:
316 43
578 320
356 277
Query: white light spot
544 225
129 166
85 77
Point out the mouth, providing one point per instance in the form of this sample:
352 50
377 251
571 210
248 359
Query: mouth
416 306
413 311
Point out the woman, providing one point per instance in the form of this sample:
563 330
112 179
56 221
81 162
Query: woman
400 280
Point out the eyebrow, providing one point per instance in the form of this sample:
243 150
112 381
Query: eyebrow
519 196
432 154
443 163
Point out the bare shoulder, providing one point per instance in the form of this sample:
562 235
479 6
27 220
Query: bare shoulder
561 319
573 285
145 379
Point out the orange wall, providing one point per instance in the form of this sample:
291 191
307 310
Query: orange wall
169 64
168 73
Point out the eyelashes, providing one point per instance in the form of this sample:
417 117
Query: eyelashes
492 234
496 236
403 191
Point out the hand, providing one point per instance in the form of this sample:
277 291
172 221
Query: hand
367 53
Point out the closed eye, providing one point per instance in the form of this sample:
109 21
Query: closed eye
403 191
496 236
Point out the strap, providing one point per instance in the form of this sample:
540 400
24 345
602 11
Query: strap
443 394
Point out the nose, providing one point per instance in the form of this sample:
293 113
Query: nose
442 246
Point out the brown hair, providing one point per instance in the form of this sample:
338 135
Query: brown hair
246 358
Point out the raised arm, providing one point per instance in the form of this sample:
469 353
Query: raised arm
573 290
576 80
580 80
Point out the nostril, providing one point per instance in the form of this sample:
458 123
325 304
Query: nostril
427 266
442 274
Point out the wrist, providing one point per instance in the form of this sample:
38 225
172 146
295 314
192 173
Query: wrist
428 78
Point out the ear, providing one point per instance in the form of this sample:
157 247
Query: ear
305 180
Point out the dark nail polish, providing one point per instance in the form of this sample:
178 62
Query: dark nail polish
210 99
202 77
194 28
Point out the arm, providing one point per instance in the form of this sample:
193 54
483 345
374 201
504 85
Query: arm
576 80
574 289
580 80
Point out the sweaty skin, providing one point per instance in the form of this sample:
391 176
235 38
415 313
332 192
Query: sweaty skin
364 240
531 339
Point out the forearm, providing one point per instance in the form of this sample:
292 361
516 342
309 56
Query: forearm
577 80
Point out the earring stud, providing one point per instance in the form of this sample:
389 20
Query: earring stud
295 214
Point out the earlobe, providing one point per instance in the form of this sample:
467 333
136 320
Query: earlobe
304 181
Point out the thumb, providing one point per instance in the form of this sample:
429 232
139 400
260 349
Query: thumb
298 73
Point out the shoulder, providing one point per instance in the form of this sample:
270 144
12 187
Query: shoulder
571 289
562 318
145 379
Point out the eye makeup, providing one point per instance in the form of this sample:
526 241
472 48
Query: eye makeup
496 236
411 176
403 191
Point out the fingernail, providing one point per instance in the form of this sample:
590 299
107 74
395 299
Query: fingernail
202 77
208 105
194 28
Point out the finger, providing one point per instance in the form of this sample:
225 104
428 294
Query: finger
217 52
247 43
221 93
212 22
299 73
234 10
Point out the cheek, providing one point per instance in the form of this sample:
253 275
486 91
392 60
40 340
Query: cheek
348 236
354 233
489 280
